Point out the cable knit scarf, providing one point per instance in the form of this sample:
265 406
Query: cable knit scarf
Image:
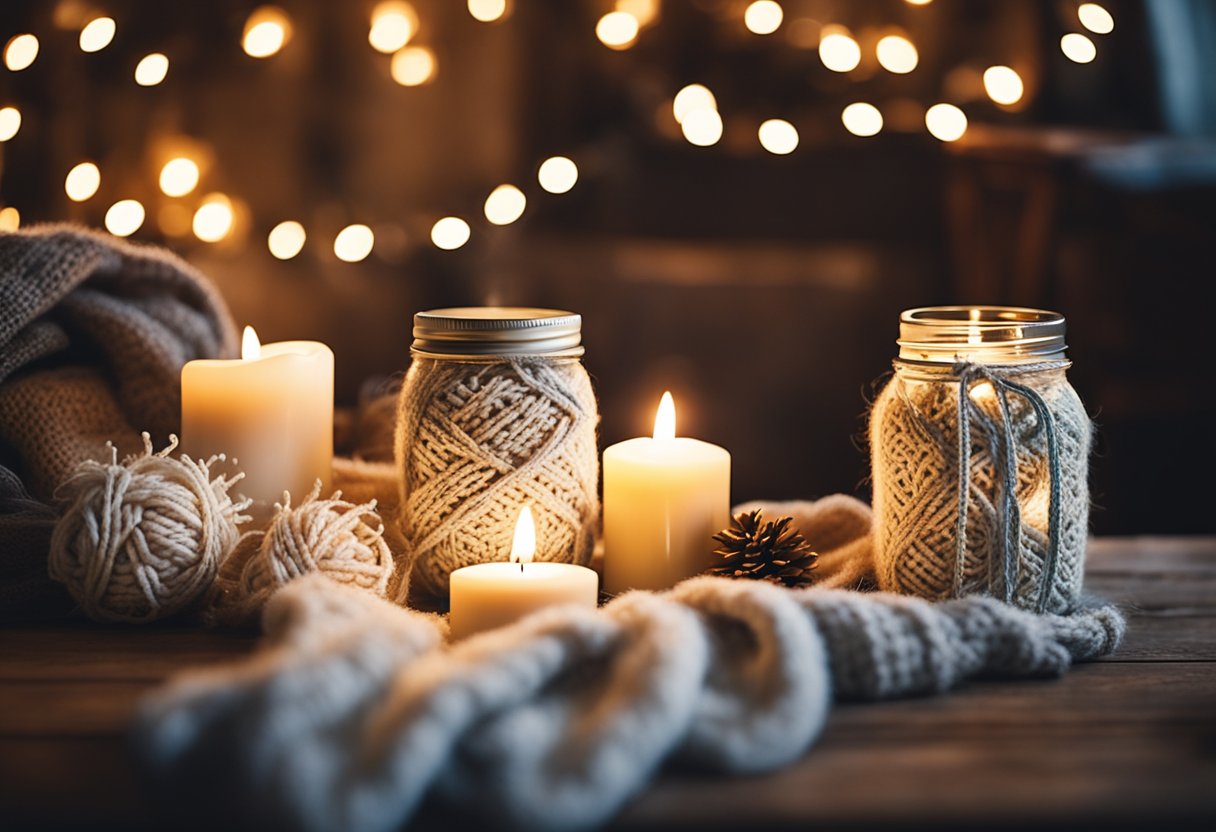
93 334
356 710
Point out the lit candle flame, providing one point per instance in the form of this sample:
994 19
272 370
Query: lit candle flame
251 347
523 547
665 418
973 333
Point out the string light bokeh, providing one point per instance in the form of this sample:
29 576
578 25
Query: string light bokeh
397 32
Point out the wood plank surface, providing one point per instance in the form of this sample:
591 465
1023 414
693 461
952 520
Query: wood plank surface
1128 742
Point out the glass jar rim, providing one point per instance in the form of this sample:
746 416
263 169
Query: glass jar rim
936 335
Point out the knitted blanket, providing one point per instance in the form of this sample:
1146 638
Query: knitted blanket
93 334
356 710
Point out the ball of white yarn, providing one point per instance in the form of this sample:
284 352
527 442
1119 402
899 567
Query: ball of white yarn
142 539
339 539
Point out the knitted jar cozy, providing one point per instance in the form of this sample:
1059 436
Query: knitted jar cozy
914 439
478 440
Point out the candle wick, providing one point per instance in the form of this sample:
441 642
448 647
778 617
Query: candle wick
521 567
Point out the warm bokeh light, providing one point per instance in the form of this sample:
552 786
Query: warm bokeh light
523 543
946 122
692 97
413 66
702 127
1003 84
617 30
179 176
862 119
1096 18
20 52
778 136
266 32
393 25
450 233
151 70
644 11
354 243
505 205
763 17
82 181
10 123
97 34
557 174
665 417
1076 47
487 11
838 51
124 217
897 54
286 239
214 218
10 218
918 2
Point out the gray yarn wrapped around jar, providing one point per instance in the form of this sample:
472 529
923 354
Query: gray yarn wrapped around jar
496 413
980 458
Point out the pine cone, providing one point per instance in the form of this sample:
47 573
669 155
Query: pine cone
772 551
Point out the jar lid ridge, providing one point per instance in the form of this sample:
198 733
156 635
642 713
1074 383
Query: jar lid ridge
497 330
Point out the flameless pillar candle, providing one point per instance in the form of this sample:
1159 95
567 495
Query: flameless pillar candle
489 595
272 410
664 498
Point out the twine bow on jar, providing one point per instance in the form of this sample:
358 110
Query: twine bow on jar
1002 441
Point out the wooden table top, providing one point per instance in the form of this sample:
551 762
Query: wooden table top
1127 742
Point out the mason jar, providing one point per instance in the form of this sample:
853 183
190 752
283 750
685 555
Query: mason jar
980 460
496 413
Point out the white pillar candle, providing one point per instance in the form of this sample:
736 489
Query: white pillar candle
272 410
489 595
664 499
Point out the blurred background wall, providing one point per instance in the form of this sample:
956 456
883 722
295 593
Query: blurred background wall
756 272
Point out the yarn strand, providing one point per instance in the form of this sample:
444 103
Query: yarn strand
1003 447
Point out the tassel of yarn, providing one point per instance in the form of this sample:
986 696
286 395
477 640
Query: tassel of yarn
339 539
142 539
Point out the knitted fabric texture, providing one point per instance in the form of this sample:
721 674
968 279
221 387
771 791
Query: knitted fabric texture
93 334
355 710
476 442
915 454
143 539
333 537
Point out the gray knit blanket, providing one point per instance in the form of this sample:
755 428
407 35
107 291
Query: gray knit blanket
354 711
93 334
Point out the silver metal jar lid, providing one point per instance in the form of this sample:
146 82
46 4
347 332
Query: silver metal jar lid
986 334
497 330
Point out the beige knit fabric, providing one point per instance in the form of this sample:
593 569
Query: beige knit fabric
914 447
477 441
93 333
